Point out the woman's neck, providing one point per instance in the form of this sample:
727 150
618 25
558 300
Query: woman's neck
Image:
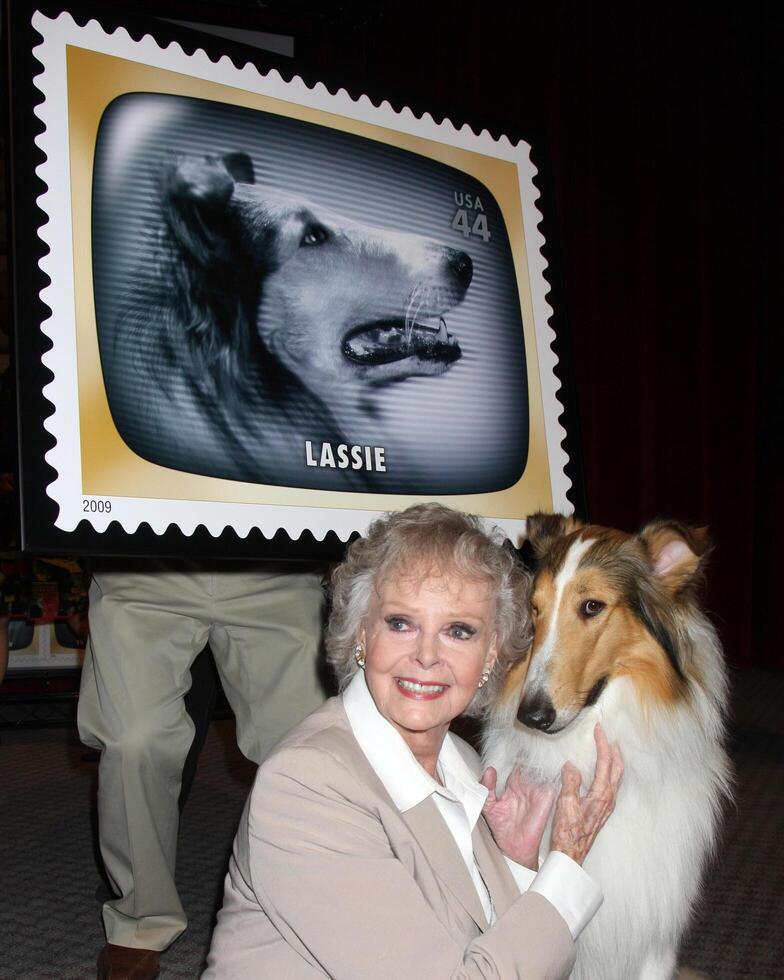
426 746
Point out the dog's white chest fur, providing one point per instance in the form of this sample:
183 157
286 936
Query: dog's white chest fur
649 857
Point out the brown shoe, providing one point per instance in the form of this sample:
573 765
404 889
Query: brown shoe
127 963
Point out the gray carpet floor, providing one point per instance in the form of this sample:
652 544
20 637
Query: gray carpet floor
49 878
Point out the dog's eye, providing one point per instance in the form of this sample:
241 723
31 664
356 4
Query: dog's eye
591 608
534 611
314 235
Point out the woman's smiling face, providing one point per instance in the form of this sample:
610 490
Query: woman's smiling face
427 641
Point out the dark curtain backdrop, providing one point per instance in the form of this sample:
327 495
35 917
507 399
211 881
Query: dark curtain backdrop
662 124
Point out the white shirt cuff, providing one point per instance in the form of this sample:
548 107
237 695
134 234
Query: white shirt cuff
572 892
522 875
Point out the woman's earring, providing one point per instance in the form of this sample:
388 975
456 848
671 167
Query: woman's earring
485 677
359 655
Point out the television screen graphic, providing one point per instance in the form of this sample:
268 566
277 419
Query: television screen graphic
248 305
282 303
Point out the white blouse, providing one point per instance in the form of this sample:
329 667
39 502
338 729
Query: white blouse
573 893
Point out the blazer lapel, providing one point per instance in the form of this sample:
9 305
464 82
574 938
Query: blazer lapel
493 868
428 826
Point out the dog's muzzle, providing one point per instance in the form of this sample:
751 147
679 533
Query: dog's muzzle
537 711
386 341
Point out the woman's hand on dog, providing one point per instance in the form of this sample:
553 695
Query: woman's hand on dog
518 817
578 819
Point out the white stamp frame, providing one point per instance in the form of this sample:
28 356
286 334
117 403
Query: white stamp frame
316 511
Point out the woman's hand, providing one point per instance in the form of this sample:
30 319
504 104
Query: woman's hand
517 818
578 819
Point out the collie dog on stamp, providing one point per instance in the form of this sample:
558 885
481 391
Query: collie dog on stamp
263 326
619 638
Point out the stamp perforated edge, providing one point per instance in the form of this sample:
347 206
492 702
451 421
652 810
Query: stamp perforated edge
58 296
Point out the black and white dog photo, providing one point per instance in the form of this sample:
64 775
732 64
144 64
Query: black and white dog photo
254 333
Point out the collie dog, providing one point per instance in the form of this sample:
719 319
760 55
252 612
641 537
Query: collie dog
259 320
619 638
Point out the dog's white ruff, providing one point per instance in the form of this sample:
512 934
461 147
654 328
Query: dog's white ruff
650 856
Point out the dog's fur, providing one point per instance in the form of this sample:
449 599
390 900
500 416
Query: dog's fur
265 320
619 638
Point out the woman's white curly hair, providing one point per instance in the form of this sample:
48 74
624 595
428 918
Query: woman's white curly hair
425 539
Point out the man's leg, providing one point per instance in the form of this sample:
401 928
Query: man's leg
266 638
144 635
200 704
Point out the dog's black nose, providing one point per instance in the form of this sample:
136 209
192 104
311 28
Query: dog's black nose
536 711
460 263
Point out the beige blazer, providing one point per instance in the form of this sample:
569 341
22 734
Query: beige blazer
329 879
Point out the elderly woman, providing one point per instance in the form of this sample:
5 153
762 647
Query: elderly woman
369 848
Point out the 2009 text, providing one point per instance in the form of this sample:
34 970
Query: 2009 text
97 506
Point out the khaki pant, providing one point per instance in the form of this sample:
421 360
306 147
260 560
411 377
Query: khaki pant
148 622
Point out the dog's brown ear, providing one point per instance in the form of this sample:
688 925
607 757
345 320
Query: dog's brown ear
195 195
677 553
541 530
